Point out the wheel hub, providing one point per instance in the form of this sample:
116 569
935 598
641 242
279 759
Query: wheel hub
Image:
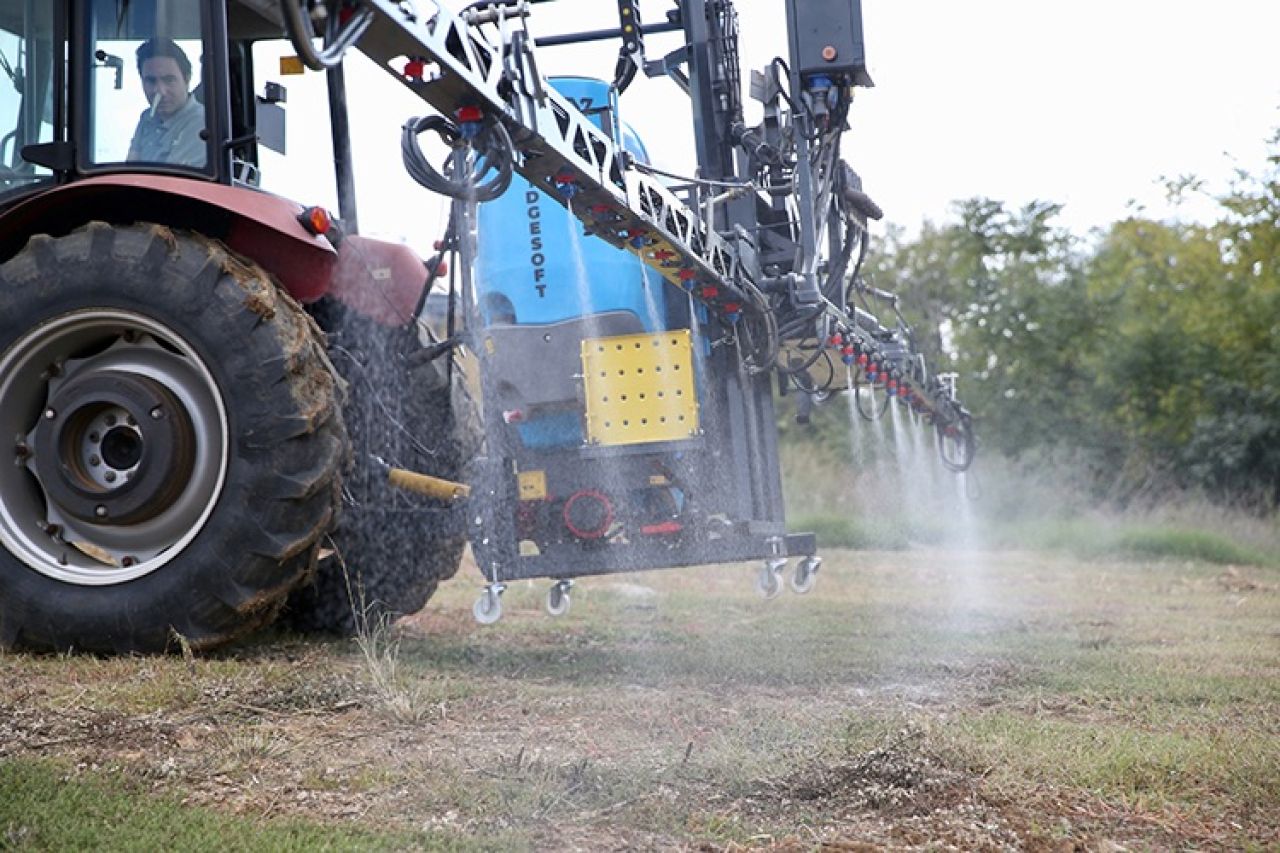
120 439
113 448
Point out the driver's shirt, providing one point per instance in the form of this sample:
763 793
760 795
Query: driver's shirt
172 139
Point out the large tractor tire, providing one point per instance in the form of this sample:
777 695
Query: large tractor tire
391 547
173 443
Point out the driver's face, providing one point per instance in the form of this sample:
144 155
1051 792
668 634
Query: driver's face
161 75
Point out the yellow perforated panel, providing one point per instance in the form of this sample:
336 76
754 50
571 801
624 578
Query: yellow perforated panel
639 388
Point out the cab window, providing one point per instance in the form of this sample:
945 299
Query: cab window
146 98
26 89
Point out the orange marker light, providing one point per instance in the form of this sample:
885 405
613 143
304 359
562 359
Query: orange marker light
316 220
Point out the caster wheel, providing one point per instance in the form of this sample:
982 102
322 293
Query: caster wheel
805 575
768 581
488 607
558 600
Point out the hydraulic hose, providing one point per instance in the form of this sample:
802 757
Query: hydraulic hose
957 451
338 36
492 142
873 414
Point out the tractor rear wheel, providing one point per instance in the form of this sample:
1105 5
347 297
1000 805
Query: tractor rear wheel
173 443
391 548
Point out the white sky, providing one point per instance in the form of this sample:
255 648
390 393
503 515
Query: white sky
1087 102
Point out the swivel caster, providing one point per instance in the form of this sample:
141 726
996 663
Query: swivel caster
769 580
558 601
805 575
488 607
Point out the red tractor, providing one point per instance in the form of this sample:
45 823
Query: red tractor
202 385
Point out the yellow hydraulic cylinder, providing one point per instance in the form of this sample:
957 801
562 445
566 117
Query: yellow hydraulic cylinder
423 484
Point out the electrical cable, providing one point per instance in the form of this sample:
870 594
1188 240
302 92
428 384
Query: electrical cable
779 62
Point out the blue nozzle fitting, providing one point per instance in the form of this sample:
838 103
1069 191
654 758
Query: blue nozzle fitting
565 184
469 130
818 83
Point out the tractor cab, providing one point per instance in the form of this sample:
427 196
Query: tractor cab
165 87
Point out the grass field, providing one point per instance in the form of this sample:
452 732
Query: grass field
917 698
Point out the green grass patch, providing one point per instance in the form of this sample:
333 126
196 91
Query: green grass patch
43 809
1189 768
872 534
1085 538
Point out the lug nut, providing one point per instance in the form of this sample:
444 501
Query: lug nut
50 414
100 511
157 413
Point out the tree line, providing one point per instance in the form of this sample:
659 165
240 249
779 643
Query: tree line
1147 352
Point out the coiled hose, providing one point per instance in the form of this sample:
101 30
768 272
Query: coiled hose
491 175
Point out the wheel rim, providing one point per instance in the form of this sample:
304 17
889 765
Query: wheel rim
119 446
767 583
803 579
487 608
557 601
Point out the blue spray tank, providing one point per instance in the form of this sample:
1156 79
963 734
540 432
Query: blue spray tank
542 285
535 263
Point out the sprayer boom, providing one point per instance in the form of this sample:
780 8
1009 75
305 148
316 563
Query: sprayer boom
479 70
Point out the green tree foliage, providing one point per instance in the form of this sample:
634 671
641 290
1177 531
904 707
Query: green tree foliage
1150 351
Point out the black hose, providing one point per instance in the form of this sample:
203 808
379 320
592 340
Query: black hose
965 445
492 143
338 37
794 370
857 402
856 278
763 355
